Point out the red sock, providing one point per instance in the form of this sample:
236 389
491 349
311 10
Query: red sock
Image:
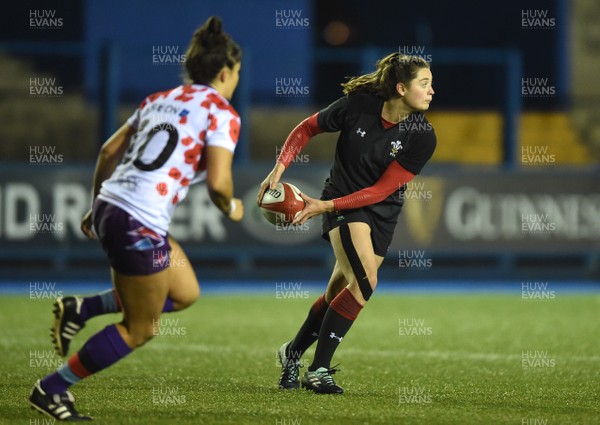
346 305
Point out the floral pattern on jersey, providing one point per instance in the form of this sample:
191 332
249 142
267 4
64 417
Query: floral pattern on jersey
175 173
155 96
192 156
219 102
187 93
234 129
212 126
204 119
162 189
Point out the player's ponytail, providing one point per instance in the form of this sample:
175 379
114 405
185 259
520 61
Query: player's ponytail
391 70
209 51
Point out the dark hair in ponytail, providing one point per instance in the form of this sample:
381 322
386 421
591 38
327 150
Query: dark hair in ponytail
391 70
209 51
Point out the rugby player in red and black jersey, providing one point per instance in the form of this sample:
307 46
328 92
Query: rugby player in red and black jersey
384 142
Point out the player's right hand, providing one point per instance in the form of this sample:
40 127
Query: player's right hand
270 181
237 212
87 225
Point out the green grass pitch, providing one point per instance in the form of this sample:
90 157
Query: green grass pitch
409 359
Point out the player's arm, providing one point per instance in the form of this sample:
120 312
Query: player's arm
394 177
110 154
295 142
219 180
330 119
298 138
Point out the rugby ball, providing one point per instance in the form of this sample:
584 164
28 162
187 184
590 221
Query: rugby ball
282 204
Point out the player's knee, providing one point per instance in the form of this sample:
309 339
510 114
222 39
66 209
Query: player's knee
188 298
195 294
332 292
335 287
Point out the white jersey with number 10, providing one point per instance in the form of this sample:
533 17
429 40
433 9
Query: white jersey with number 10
166 154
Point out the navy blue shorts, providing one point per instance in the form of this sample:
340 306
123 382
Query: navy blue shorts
131 247
382 231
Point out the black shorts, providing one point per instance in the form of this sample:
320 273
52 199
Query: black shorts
131 247
382 231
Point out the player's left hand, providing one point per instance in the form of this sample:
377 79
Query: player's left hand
313 208
270 181
87 225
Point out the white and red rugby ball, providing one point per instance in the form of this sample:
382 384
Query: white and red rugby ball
282 204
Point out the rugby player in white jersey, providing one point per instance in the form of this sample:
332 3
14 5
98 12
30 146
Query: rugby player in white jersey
174 139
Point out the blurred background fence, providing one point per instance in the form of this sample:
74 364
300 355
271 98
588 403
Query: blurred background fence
511 193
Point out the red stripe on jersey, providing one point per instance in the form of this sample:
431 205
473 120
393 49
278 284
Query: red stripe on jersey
77 368
392 179
298 138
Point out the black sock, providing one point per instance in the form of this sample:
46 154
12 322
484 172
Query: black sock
337 322
309 332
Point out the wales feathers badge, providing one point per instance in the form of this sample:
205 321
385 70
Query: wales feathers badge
396 146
